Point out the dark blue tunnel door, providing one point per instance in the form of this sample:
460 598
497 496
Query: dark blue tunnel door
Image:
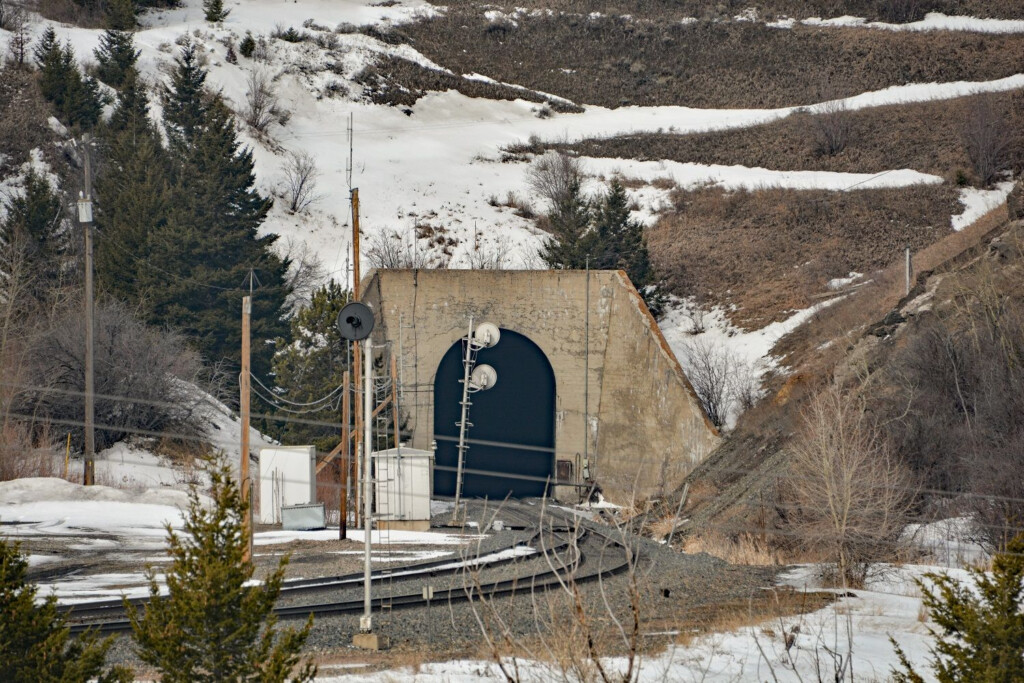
512 437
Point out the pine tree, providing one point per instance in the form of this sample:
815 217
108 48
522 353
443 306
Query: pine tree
619 243
35 642
214 244
571 239
980 634
311 364
50 59
121 15
75 97
212 627
213 10
116 56
179 228
186 101
133 199
34 226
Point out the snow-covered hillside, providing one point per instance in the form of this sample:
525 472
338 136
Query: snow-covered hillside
437 165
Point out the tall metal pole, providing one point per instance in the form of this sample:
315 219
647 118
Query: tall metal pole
586 376
462 423
366 622
243 409
359 465
346 459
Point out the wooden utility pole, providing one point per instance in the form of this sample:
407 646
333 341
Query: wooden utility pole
346 460
243 409
85 217
357 355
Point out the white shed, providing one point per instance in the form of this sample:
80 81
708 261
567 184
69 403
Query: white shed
404 485
287 477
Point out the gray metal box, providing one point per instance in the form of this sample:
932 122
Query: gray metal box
302 517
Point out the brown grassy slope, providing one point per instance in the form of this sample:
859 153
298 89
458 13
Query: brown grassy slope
737 488
800 9
926 137
612 62
395 81
771 251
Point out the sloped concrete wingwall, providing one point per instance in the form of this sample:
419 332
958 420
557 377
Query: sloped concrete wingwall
646 428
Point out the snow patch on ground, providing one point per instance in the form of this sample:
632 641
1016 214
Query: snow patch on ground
933 21
978 202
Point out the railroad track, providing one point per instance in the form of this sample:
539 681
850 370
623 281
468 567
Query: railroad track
562 550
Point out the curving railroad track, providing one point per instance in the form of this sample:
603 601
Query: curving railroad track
560 549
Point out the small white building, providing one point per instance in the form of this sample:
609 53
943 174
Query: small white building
404 487
287 477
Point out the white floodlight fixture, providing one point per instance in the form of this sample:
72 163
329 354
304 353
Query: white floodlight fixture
486 335
484 377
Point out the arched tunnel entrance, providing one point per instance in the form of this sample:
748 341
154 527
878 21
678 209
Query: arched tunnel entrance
512 437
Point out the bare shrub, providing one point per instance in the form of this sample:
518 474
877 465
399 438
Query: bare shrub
260 101
832 128
987 138
15 19
556 176
853 497
138 378
300 175
390 249
494 257
305 274
23 454
724 383
901 11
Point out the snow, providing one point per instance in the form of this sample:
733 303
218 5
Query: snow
861 625
842 282
690 175
441 164
978 202
933 21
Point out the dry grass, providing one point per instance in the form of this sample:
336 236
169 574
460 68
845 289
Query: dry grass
400 82
745 549
761 609
681 9
925 136
612 61
882 294
771 251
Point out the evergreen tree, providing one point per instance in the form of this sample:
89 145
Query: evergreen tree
571 238
50 60
619 243
75 97
131 110
603 232
980 634
121 15
213 10
186 102
212 627
34 227
35 642
213 243
116 56
310 365
133 199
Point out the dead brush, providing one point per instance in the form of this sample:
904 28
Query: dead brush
745 549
